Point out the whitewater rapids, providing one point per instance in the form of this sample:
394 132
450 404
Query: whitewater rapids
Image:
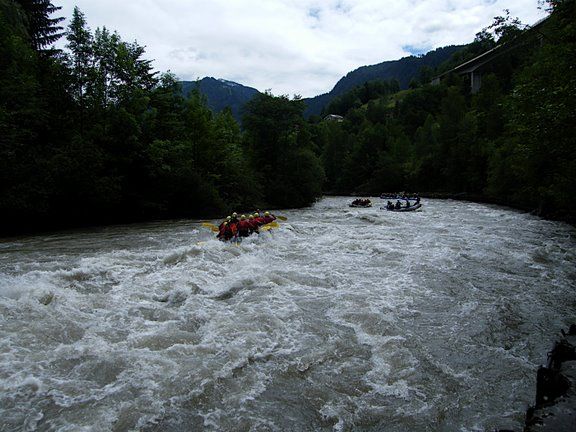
342 319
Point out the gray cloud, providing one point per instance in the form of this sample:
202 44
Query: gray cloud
290 46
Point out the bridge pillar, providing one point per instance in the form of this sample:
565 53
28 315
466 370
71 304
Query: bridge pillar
475 81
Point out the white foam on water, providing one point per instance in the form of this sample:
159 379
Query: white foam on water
341 319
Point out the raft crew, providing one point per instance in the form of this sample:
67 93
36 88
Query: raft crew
401 195
363 202
243 226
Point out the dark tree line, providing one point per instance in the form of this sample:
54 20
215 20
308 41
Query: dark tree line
93 134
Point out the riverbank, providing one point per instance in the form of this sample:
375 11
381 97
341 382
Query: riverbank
555 407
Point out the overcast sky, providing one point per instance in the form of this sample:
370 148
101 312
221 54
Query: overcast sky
290 46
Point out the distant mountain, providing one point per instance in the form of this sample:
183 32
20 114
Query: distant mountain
403 70
221 94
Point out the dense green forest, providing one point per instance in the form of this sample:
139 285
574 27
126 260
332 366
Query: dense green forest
92 135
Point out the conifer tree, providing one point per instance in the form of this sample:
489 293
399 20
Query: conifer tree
81 53
42 29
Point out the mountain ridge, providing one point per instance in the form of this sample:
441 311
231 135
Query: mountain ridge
221 93
403 70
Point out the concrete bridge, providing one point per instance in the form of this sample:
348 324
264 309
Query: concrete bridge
475 67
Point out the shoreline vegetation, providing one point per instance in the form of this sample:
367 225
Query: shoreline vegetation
92 135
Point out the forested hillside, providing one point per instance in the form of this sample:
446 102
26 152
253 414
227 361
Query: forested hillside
404 71
93 135
513 142
221 94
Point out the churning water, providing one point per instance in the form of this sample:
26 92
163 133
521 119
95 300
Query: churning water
342 319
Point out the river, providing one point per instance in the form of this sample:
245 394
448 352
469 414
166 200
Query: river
342 319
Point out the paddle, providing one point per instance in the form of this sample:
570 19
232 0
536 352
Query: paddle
213 227
282 218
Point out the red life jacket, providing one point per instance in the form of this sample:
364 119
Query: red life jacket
243 228
231 230
222 230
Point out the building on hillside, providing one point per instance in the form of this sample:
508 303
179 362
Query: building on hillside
334 117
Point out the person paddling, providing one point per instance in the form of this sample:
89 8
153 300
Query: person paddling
268 217
259 219
222 227
243 227
252 224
